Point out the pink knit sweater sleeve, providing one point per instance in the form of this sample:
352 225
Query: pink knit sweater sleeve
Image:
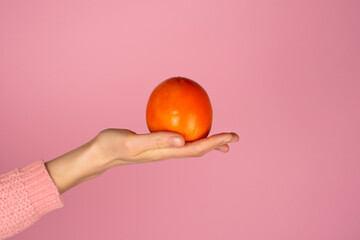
26 194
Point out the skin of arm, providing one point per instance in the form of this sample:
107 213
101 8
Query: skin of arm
115 147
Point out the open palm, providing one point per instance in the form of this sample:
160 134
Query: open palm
123 146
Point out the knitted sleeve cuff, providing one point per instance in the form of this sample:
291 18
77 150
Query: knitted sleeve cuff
41 190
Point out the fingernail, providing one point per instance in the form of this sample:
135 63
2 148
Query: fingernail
234 139
176 142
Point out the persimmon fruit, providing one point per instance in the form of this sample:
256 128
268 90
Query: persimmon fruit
180 105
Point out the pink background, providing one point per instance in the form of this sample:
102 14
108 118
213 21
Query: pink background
282 74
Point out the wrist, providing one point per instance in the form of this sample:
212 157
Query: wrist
76 166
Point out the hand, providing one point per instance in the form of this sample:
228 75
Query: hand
122 146
114 147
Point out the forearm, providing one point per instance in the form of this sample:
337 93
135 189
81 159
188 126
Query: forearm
28 193
75 167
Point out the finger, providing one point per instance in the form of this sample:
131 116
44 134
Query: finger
158 140
223 148
200 147
235 138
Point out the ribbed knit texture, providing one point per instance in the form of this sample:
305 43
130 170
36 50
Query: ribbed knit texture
26 194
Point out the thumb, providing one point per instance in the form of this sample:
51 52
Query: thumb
157 140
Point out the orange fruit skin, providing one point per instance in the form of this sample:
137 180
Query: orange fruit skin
180 105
